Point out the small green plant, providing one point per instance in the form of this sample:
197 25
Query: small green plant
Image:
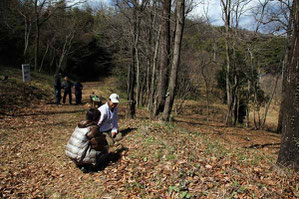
149 140
170 125
158 154
170 157
256 160
242 157
172 189
235 184
242 189
182 193
137 184
191 157
185 194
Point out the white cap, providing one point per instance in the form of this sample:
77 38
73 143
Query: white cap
114 98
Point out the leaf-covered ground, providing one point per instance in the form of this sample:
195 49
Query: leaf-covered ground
189 158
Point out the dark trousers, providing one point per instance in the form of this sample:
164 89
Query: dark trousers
78 97
101 161
69 93
57 95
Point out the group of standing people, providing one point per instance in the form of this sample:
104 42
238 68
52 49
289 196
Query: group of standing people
89 144
67 86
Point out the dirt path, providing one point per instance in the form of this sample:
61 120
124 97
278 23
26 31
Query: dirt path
157 161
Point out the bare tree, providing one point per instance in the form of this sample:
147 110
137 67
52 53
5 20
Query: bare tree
25 11
164 60
66 27
154 71
133 12
232 11
227 19
41 11
180 21
275 17
289 149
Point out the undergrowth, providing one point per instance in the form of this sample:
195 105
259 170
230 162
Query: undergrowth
16 95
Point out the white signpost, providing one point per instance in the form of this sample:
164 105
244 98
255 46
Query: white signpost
26 72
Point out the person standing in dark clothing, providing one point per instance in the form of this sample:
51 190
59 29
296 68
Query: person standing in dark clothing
67 86
78 92
57 88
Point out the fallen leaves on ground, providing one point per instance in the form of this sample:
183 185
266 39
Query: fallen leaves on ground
157 160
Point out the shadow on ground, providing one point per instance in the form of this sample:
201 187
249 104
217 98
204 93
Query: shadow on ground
43 113
126 131
259 146
112 158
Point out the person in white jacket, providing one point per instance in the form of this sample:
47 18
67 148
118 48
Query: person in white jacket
109 115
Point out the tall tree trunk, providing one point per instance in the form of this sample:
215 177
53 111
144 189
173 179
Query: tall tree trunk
227 17
149 57
154 71
136 42
143 91
176 58
130 88
46 52
131 71
206 87
36 54
148 82
289 148
250 83
164 62
27 32
269 103
37 33
27 35
53 60
138 79
280 116
288 48
65 51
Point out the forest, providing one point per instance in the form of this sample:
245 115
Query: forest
161 59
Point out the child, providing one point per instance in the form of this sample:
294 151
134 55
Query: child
87 146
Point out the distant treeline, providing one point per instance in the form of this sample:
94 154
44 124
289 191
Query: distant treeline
87 43
53 37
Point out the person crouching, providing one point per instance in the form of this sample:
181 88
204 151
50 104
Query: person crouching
88 147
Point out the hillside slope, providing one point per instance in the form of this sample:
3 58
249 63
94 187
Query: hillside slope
189 158
16 96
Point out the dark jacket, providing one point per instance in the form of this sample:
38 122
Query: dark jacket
78 87
57 83
67 85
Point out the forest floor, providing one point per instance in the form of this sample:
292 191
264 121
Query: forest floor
192 157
